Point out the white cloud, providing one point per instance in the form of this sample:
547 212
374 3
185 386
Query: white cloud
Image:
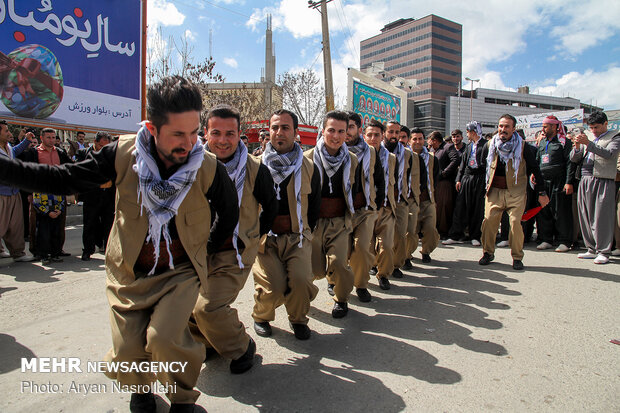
600 88
493 31
189 35
229 61
163 13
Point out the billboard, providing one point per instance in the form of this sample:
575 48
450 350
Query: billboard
371 103
373 98
533 123
68 64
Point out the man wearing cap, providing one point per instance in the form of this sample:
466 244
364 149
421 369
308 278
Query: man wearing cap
382 241
371 194
597 189
509 161
330 240
469 206
283 267
215 322
555 222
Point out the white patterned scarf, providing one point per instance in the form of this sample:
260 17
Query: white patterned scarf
362 150
330 164
236 168
384 157
510 150
161 198
281 166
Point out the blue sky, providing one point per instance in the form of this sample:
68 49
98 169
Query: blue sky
558 47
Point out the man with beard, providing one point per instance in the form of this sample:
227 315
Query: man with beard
371 194
402 173
509 162
553 157
283 267
427 215
330 241
382 241
217 324
469 207
457 141
157 257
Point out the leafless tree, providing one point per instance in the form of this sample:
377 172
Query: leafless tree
303 93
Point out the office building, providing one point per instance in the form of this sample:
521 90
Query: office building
429 50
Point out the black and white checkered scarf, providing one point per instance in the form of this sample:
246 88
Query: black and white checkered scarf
161 198
384 157
331 164
399 152
509 150
362 150
281 166
236 168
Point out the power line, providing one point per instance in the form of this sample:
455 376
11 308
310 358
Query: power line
353 48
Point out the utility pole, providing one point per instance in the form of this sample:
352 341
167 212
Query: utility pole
471 98
327 57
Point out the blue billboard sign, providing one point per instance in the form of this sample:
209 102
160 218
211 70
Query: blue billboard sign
371 103
72 63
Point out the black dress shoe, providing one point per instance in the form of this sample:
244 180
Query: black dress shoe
301 331
486 259
64 254
426 258
85 256
330 289
363 295
397 273
373 271
340 309
408 266
517 265
182 408
384 283
142 403
262 329
246 361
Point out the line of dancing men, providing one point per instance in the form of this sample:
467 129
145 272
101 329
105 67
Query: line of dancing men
191 222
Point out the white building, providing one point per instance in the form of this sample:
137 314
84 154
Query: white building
487 105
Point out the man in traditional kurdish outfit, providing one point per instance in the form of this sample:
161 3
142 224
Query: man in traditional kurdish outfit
470 185
283 267
330 241
382 242
427 215
215 322
555 222
509 162
156 259
597 189
365 203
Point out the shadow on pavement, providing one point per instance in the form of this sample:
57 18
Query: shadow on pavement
579 272
303 384
12 353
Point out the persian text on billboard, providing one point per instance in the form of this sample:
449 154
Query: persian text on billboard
71 63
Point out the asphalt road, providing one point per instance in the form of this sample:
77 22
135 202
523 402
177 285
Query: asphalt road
449 336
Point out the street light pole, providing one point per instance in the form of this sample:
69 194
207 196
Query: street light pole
471 97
